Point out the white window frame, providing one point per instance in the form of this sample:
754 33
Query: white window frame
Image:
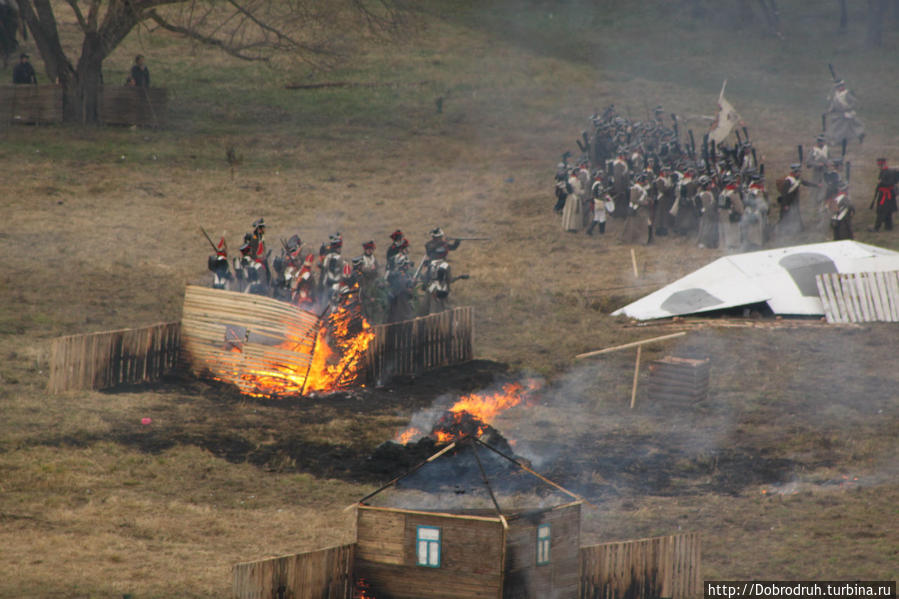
427 546
544 544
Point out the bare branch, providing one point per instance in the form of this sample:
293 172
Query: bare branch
78 15
210 41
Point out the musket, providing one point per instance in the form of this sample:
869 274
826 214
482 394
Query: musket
833 74
823 122
580 145
746 133
676 132
843 153
206 235
799 149
418 270
848 170
473 238
692 145
737 132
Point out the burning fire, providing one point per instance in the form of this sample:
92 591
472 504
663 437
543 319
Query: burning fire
337 350
361 590
473 413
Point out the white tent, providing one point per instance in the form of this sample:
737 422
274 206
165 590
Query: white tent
784 278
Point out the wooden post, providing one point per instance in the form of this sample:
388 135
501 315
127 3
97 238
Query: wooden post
636 373
634 263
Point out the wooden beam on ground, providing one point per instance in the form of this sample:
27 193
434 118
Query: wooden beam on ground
631 344
636 374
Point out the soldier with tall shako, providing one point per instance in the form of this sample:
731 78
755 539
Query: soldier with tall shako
218 264
842 120
330 266
399 245
841 221
885 195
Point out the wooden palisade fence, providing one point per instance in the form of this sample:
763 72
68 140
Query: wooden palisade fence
110 358
642 569
860 297
225 335
323 574
639 569
414 346
119 105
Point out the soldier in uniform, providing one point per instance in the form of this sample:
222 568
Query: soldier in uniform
218 264
842 122
571 213
242 267
621 184
708 220
257 236
603 204
790 222
754 223
399 245
639 213
818 161
841 221
885 196
730 212
369 268
664 190
400 291
331 266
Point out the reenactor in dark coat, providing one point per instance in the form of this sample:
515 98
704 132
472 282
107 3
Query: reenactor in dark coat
885 195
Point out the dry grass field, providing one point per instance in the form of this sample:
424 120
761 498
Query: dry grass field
789 469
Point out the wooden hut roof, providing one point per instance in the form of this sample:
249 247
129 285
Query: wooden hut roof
470 468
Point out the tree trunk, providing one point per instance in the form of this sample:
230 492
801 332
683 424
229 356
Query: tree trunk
844 17
876 13
81 96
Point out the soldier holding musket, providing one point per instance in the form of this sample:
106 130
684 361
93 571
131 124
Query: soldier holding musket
885 195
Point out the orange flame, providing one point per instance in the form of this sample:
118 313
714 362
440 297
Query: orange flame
483 407
340 345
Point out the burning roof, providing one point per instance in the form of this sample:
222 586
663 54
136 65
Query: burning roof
783 278
470 474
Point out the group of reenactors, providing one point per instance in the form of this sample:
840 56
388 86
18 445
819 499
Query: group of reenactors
325 280
659 184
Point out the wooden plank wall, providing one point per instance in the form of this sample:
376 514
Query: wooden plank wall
860 297
119 105
471 555
229 335
124 105
110 358
559 578
31 104
642 569
414 346
323 574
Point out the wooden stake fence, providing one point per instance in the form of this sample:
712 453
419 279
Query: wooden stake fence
110 358
323 574
118 105
642 569
860 297
414 346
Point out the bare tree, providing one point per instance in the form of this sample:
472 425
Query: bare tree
315 31
844 17
877 10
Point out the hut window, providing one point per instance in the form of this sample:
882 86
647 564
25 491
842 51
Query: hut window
543 541
427 546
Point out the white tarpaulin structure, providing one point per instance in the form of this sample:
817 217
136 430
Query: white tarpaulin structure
783 278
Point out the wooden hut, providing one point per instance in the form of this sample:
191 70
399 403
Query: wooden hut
455 550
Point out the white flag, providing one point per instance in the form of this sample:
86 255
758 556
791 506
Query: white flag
725 120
